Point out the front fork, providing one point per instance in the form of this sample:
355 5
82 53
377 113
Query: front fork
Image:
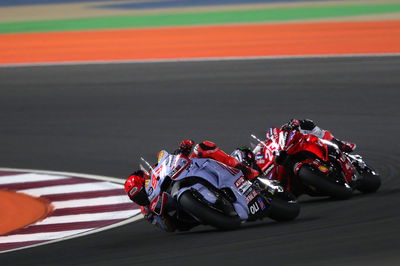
349 171
361 168
357 161
267 189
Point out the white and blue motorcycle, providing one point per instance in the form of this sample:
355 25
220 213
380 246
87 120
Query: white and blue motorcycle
205 191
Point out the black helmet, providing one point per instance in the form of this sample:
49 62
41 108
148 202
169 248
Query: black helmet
244 155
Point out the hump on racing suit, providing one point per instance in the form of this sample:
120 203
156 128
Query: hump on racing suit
307 126
208 149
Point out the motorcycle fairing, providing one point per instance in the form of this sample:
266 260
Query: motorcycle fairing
157 205
170 166
310 161
313 144
347 167
217 175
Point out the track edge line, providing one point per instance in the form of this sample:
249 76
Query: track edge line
205 59
136 217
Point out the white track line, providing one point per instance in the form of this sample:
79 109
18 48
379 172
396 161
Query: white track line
21 178
206 59
90 202
99 216
40 236
96 177
85 187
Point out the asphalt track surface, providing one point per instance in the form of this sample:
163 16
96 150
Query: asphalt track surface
99 119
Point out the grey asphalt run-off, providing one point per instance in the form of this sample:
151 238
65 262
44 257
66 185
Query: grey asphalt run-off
99 119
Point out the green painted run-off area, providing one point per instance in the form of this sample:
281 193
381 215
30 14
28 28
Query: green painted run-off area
199 18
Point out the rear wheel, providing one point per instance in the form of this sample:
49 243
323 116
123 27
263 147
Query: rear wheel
316 180
205 214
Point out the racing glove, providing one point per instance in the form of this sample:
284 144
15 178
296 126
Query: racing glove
344 146
185 147
291 125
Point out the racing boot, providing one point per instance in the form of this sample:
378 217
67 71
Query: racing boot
344 146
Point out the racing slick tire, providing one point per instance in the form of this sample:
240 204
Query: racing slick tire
283 210
369 182
207 215
315 179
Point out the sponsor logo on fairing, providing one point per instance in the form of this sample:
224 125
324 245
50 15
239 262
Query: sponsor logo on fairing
174 171
323 169
155 175
269 169
261 203
251 196
290 136
160 156
245 187
254 208
239 181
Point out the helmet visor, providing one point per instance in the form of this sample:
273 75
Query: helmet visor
141 198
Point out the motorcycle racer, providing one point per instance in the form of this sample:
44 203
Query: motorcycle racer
307 126
208 149
136 182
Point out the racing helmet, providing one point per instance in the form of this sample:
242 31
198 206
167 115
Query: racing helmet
244 155
135 188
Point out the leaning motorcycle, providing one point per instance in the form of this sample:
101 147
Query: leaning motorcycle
306 164
204 191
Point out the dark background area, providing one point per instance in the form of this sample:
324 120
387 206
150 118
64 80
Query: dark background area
99 119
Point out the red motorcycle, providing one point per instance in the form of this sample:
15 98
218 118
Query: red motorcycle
306 164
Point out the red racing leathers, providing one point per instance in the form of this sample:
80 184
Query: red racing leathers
208 149
308 126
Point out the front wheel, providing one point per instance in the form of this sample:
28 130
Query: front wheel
207 215
282 210
369 182
318 181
